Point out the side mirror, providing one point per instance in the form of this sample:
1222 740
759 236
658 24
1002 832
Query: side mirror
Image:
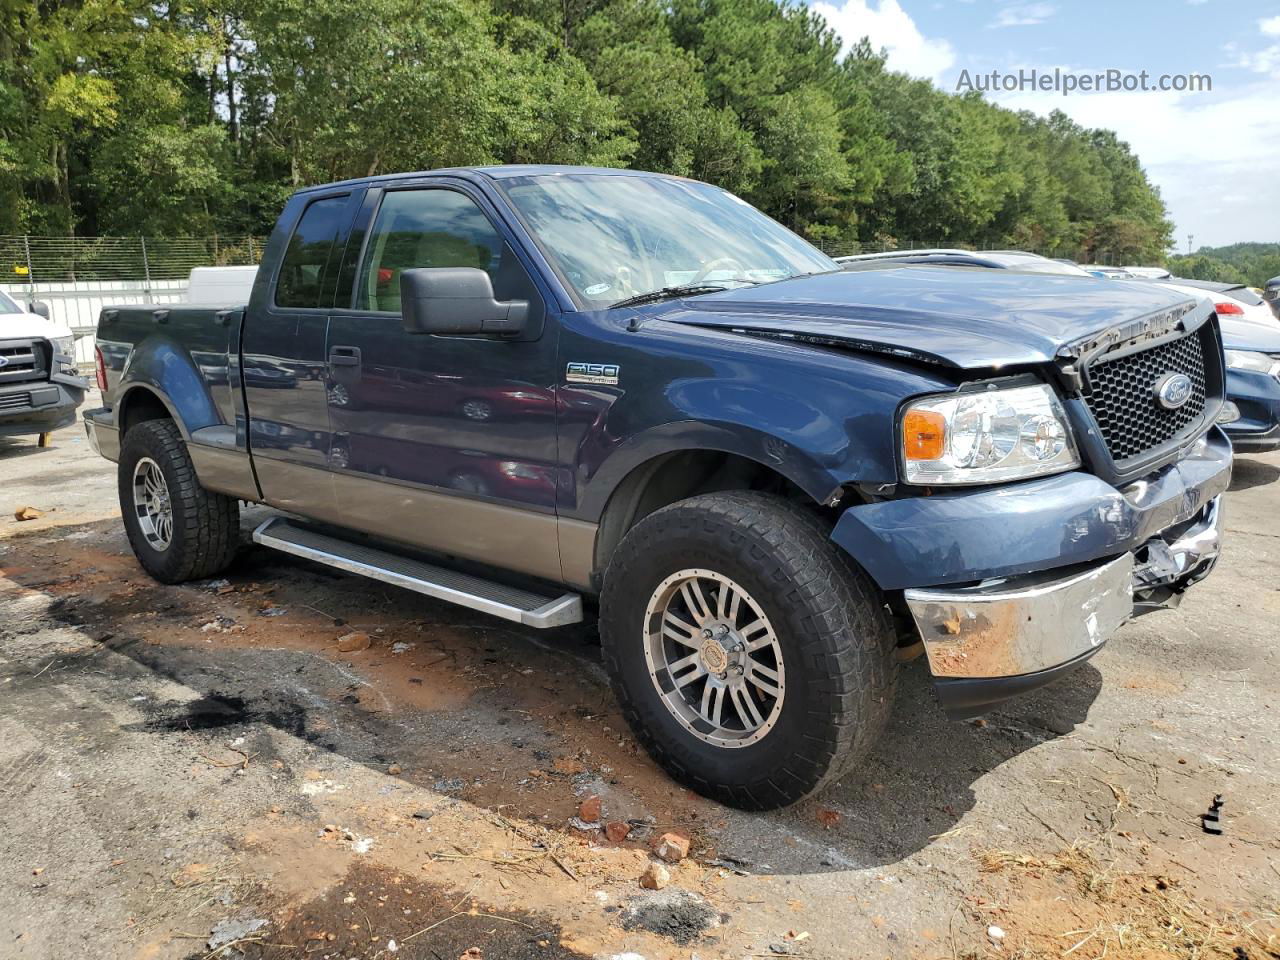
40 308
457 301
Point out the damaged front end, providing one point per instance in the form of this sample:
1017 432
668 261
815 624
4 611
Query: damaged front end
1167 565
1013 585
999 638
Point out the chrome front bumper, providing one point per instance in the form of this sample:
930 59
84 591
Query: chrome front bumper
998 638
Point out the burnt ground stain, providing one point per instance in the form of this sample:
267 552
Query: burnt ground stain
675 914
219 712
207 713
372 906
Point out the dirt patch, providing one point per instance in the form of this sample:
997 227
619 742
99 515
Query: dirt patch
495 709
1072 903
377 912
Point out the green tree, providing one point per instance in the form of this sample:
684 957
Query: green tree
195 116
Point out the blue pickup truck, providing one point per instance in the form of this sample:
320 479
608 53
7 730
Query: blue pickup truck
522 388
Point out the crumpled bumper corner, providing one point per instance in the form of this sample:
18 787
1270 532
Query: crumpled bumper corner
1166 566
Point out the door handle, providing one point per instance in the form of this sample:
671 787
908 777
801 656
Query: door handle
344 356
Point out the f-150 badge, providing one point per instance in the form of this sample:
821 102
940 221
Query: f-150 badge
599 373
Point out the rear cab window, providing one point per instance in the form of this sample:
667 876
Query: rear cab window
305 278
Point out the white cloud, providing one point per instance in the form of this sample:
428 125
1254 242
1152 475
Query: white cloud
1023 15
1212 155
1265 61
890 27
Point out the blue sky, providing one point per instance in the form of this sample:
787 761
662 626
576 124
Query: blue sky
1214 155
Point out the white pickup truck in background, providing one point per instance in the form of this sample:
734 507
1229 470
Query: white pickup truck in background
40 386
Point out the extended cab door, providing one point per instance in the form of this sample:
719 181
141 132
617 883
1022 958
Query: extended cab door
447 443
283 359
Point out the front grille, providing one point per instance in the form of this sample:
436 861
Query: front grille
10 401
1121 394
21 360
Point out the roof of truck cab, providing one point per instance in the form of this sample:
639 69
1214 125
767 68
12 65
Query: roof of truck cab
503 172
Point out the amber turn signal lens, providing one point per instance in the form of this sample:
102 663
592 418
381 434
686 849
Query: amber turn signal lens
924 435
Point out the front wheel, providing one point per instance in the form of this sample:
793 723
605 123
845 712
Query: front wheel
178 530
753 660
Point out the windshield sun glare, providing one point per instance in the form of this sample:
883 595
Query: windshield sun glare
616 237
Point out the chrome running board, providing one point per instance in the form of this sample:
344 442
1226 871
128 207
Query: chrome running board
509 603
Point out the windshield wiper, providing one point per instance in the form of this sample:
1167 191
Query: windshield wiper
681 290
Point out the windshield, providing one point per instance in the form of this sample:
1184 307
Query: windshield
613 237
7 305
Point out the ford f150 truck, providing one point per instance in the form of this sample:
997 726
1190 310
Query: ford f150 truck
40 385
518 387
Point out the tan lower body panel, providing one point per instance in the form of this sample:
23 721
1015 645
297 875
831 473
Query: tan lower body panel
224 471
502 536
578 552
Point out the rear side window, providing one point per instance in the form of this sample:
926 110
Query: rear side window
302 271
1245 295
423 228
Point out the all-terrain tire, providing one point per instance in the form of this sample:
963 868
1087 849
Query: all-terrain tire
830 620
206 525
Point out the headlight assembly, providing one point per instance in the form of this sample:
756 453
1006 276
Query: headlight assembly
64 354
987 436
1257 362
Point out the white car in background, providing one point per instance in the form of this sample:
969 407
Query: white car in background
1233 301
1148 273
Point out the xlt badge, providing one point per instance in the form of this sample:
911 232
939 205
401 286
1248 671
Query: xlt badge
600 373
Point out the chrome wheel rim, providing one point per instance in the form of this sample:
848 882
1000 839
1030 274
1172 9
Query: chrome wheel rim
714 658
152 505
476 410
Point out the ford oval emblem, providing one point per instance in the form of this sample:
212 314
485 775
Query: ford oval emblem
1173 390
4 362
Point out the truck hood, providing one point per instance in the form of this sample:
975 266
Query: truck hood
958 317
22 326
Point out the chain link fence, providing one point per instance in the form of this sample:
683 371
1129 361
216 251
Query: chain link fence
37 260
77 276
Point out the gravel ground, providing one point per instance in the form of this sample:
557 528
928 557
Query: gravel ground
200 771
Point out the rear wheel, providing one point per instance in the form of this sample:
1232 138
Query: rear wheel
753 660
178 530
